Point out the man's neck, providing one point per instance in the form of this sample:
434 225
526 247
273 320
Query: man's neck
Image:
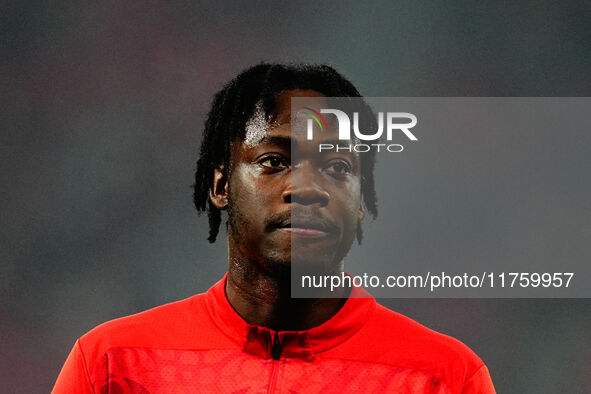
265 300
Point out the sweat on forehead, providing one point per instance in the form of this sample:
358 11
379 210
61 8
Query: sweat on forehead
257 126
263 119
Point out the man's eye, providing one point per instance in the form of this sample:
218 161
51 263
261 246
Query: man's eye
339 167
273 162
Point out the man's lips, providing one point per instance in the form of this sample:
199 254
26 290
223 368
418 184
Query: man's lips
302 223
305 231
308 227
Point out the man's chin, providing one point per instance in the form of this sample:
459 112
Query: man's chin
282 267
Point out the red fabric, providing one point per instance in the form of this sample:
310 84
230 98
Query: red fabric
201 344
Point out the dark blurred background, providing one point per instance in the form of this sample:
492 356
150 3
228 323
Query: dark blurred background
102 106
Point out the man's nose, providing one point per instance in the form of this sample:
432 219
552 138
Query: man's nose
306 187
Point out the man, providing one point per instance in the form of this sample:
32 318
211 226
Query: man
246 334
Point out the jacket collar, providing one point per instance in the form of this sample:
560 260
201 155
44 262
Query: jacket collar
299 344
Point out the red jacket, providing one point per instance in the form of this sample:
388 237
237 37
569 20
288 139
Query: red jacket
201 344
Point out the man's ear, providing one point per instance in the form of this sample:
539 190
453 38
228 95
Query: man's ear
360 215
218 194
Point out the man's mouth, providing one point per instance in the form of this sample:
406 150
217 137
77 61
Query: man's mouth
305 231
311 227
305 223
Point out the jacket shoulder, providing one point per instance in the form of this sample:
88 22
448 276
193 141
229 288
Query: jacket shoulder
170 326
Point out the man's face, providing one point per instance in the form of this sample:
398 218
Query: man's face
288 202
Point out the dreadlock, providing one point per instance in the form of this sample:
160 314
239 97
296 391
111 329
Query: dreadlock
236 103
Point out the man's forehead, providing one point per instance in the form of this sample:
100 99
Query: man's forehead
289 119
295 133
302 99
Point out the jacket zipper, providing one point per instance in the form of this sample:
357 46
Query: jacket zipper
276 350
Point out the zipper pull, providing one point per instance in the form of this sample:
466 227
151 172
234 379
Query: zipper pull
276 348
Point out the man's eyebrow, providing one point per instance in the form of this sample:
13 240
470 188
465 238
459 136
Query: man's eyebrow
282 141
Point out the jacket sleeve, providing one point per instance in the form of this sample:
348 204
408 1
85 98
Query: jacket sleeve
479 383
74 377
